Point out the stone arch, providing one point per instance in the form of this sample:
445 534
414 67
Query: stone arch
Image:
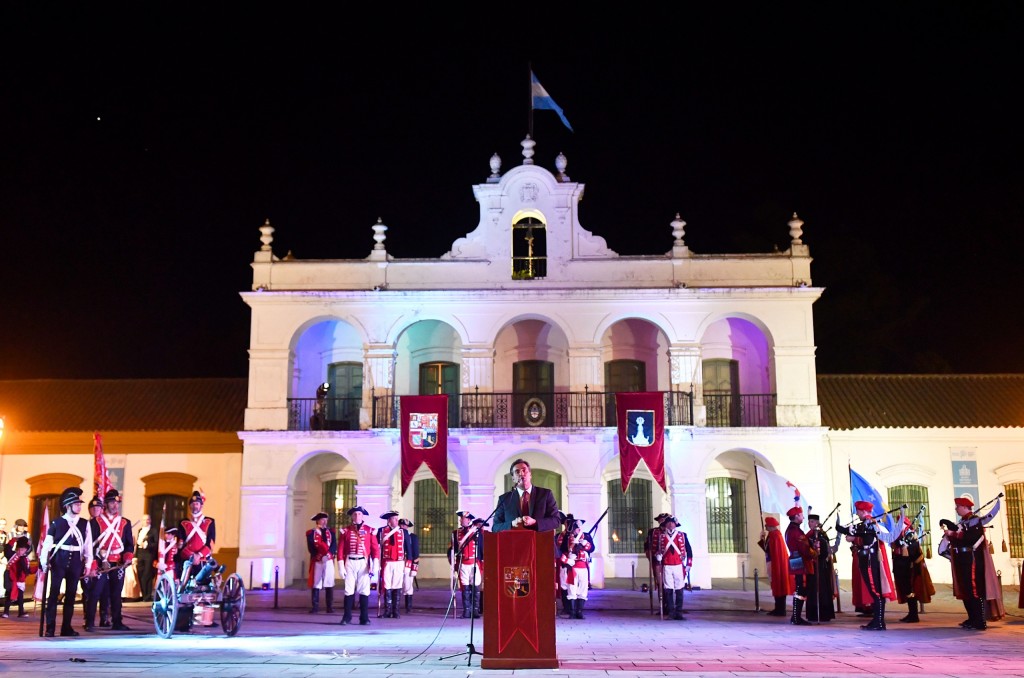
746 340
317 343
304 498
53 483
633 338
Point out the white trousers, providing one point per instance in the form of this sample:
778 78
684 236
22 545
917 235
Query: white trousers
357 576
323 574
466 575
392 575
673 577
580 586
409 587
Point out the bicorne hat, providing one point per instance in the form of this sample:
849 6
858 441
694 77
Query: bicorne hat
357 508
319 516
387 515
405 522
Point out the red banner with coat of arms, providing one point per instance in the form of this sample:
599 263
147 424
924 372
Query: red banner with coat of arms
424 437
517 600
641 424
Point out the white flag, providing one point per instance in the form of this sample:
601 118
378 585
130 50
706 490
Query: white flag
777 494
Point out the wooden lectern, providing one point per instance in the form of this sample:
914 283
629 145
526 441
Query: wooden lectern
519 600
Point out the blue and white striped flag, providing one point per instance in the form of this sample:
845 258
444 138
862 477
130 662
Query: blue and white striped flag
543 101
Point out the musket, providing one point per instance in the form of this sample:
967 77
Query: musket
590 532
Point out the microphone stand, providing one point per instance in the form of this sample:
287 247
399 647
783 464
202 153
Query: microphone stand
470 648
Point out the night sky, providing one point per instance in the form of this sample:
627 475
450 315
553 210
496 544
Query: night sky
142 148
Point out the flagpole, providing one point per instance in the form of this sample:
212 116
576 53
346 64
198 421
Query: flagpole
530 94
757 485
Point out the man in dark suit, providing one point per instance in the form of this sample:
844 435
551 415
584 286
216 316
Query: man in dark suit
526 505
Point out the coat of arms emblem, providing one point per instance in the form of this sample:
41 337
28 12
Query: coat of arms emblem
423 430
516 581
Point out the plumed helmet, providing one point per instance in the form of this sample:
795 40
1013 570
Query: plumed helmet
71 495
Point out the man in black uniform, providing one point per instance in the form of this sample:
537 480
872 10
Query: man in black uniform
94 585
67 551
968 563
820 607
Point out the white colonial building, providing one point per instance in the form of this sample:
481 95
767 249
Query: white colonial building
530 324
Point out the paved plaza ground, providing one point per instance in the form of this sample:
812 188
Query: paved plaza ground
723 635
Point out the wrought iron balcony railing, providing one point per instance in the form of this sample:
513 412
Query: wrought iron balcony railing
530 410
727 410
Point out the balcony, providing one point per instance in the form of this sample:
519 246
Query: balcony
730 411
532 410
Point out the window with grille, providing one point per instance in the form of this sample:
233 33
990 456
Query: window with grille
914 496
629 515
435 514
338 497
176 510
1015 518
727 515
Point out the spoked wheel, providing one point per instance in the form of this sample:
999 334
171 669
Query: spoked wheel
232 604
165 605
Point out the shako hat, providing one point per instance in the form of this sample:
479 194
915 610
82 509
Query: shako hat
95 502
71 495
319 516
112 495
197 495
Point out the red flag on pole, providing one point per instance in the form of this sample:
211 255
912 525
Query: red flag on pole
641 424
424 437
100 480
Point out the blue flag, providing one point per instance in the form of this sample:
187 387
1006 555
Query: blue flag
861 490
543 101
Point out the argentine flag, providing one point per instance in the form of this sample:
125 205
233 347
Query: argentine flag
543 101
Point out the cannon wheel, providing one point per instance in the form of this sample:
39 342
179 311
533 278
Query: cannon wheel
165 605
232 604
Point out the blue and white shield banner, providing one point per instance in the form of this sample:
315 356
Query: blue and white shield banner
640 427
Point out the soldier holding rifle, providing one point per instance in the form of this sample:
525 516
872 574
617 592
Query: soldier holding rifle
465 553
575 549
67 550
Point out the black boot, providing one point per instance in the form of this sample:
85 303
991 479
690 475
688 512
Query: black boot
580 604
977 618
396 596
364 610
679 605
408 604
780 607
911 617
329 599
670 602
796 617
316 601
346 616
387 602
474 599
877 622
467 604
567 607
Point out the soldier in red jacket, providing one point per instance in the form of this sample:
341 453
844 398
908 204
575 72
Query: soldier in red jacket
802 568
322 552
18 569
394 548
198 533
465 551
361 554
774 546
114 548
674 553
